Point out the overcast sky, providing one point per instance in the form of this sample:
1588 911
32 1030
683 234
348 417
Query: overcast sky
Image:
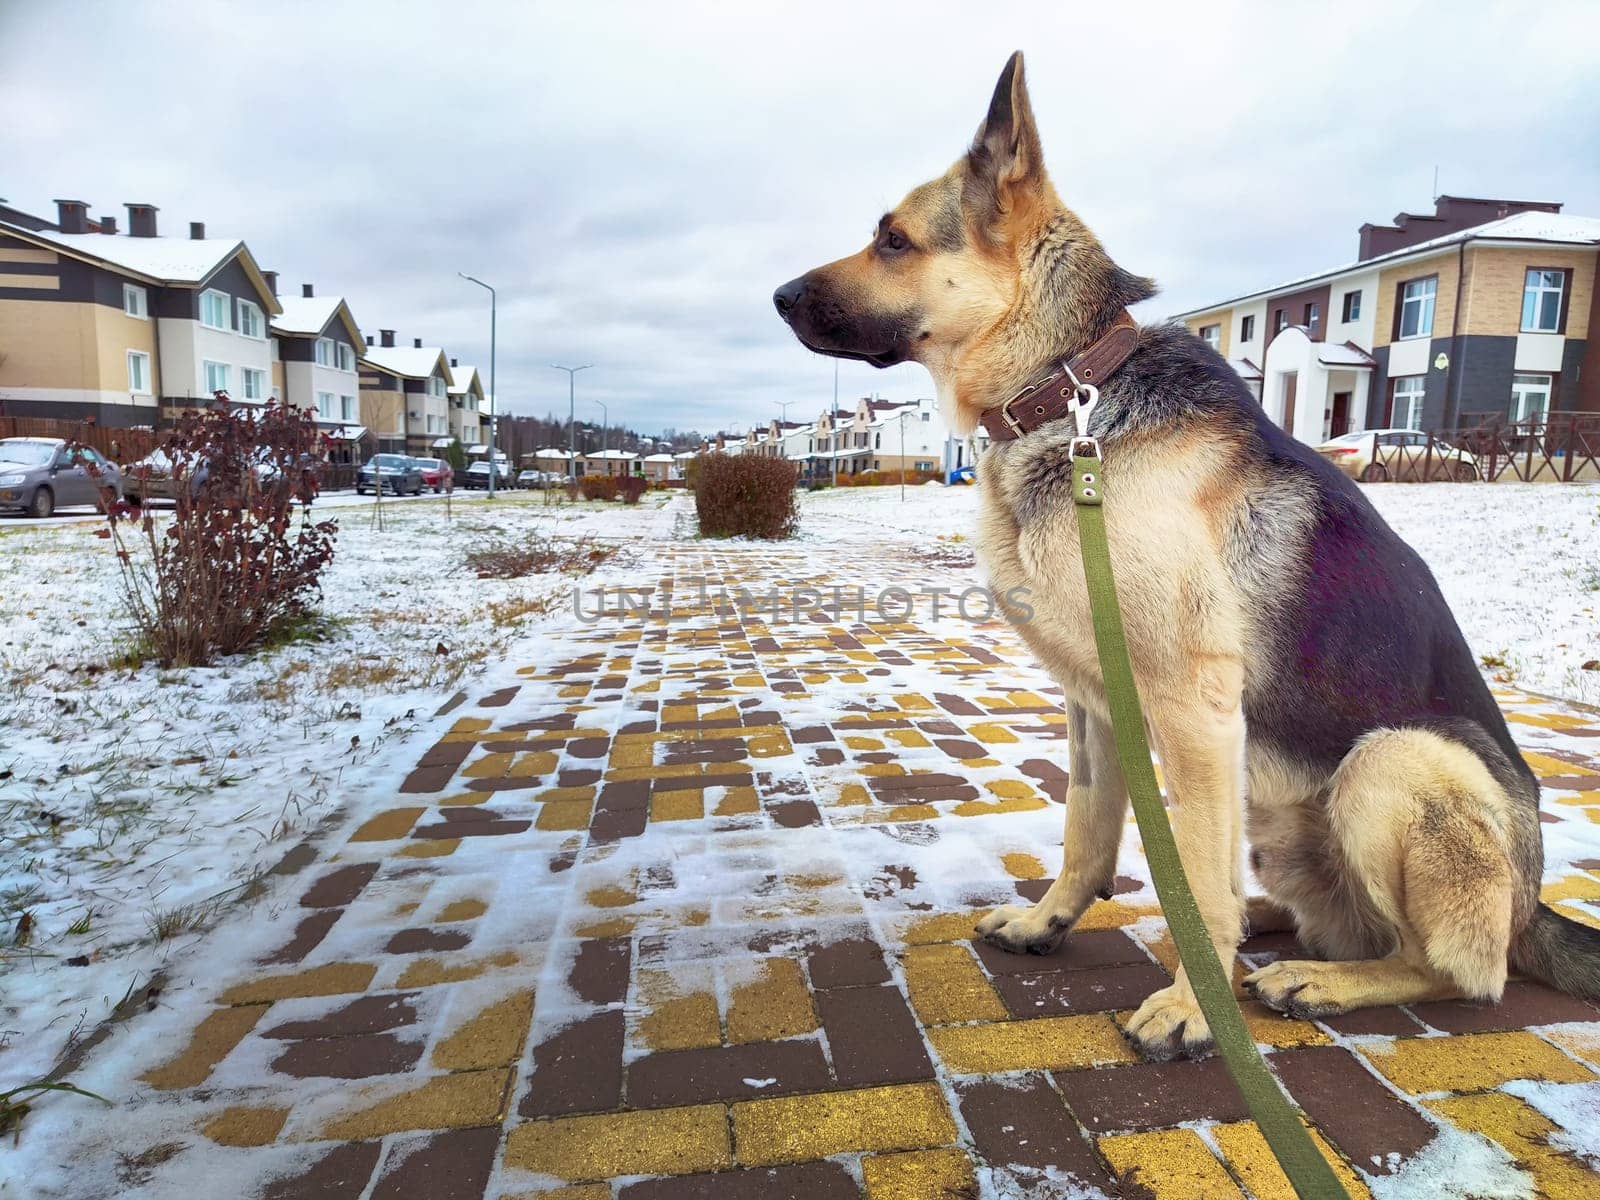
637 179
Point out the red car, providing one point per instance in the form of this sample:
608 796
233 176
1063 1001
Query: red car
437 474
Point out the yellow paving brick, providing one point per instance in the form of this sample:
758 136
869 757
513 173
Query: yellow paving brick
663 1141
945 927
463 799
388 825
1578 799
613 927
580 1191
737 801
909 738
1543 764
854 793
683 804
429 972
677 1016
1247 1152
788 1129
857 741
468 909
1022 866
1526 1134
611 896
902 812
492 1038
887 770
564 814
1582 886
776 1004
992 733
463 1099
631 754
1582 1040
947 986
1274 1029
212 1039
333 979
1471 1062
919 1175
775 746
490 766
1039 1044
1011 789
467 729
1170 1164
245 1126
1113 914
533 762
989 808
430 848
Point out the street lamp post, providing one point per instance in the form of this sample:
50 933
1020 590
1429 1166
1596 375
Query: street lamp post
572 424
494 466
902 456
605 420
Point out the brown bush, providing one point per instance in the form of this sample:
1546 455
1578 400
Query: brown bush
233 567
598 487
746 495
691 472
632 487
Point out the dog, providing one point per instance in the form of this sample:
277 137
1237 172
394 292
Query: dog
1304 683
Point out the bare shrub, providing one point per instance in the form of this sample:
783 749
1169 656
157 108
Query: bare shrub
537 554
746 495
632 487
598 487
233 567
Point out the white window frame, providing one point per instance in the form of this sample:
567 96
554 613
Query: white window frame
344 356
347 408
1412 398
135 302
1247 327
325 406
1211 335
222 368
221 300
246 375
1423 298
1351 306
436 385
1525 386
1536 286
250 313
324 352
142 386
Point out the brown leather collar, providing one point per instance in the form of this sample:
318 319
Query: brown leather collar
1050 399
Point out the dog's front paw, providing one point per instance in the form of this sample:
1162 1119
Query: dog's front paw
1021 930
1297 988
1169 1025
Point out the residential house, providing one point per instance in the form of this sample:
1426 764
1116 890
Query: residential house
316 344
552 459
1478 312
609 462
659 468
405 394
468 410
124 328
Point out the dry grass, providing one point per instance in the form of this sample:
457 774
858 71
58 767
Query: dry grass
537 554
508 612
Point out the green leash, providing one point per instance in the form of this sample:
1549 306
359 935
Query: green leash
1278 1120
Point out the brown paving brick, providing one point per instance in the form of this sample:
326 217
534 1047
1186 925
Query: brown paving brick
1524 1003
806 1181
1389 1022
419 941
338 887
578 776
855 962
600 970
578 1069
811 733
1097 948
873 1036
354 1057
454 1165
341 1174
472 822
957 706
445 754
588 747
1356 1112
369 1014
625 794
499 699
794 814
1151 1095
610 825
828 756
677 1077
308 935
960 748
427 779
1049 993
1023 1123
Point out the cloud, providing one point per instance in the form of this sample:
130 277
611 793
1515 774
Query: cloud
635 179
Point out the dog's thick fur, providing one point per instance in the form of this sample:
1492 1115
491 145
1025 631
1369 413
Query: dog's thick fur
1304 682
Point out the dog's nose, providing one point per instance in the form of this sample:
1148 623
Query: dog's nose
786 297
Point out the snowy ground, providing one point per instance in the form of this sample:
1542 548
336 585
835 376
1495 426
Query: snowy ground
136 805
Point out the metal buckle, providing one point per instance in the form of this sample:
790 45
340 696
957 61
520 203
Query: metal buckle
1084 447
1010 421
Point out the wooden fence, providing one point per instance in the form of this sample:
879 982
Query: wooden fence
119 445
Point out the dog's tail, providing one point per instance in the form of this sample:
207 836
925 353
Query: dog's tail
1560 952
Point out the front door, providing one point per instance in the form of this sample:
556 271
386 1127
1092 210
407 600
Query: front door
1290 383
1340 424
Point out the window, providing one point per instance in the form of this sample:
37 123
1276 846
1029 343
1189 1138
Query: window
1542 290
250 322
135 302
1247 327
139 372
435 385
216 376
1408 391
927 416
347 408
255 384
1416 307
1313 315
344 356
214 310
325 406
1280 320
1352 306
1530 396
1211 335
324 352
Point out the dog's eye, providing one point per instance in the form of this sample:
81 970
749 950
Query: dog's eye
894 242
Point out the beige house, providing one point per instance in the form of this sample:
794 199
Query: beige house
609 462
468 416
405 395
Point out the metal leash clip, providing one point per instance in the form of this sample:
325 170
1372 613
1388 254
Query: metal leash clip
1084 396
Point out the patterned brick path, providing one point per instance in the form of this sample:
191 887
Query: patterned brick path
687 913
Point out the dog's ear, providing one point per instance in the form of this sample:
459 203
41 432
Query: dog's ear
1006 155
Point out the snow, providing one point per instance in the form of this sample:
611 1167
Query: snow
175 260
463 377
307 315
413 362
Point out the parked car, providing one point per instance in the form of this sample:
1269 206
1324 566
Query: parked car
157 476
437 473
397 472
531 478
39 475
1378 455
477 475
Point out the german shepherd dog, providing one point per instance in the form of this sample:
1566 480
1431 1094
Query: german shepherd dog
1303 680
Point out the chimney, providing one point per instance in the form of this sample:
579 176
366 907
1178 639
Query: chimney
454 363
416 343
141 219
369 339
272 281
108 224
388 336
72 216
305 291
197 231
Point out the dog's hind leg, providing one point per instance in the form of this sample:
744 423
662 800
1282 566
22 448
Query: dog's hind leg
1420 831
1097 808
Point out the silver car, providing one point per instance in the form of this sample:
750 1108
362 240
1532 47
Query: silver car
40 475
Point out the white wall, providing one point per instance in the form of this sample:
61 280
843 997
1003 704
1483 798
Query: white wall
1359 331
185 345
303 380
1251 349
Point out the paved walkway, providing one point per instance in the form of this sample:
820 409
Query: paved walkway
686 913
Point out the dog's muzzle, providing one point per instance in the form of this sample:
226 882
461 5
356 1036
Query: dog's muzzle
787 296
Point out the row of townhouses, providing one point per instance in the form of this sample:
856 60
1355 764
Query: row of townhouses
129 328
1481 312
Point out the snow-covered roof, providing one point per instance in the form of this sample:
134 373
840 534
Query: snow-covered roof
552 452
167 259
659 457
1344 355
1560 228
349 433
462 377
307 315
1245 368
414 362
627 454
